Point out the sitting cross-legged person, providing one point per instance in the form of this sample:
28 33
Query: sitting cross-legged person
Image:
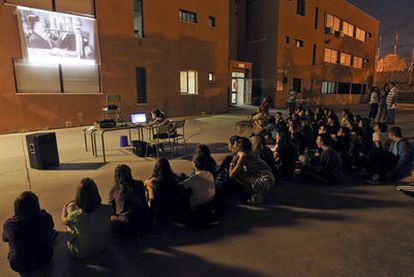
251 172
203 204
394 163
163 193
88 221
328 169
131 215
29 233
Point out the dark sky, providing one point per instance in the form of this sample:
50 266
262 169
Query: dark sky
396 16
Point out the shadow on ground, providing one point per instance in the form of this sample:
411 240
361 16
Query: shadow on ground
157 255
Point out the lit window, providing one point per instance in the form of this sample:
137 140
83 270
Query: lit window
328 87
348 29
360 34
345 59
300 43
187 16
358 62
188 82
333 22
331 56
211 77
212 21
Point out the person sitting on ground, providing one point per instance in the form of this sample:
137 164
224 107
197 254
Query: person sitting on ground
228 186
328 170
88 221
130 211
379 137
201 183
210 164
29 233
359 149
251 172
285 155
260 149
343 142
394 164
163 193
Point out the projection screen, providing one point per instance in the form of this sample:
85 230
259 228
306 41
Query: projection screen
56 38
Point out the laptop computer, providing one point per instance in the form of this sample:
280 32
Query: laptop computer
138 118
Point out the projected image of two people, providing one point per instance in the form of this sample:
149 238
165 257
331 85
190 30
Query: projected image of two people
57 35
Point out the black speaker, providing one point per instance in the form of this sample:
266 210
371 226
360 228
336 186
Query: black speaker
43 151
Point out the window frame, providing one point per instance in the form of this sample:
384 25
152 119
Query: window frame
300 42
135 10
186 91
330 88
331 60
187 16
212 22
344 57
301 8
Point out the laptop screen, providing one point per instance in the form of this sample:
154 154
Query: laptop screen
138 118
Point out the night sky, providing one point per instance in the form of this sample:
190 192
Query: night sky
396 16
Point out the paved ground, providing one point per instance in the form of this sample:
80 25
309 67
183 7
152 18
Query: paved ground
352 230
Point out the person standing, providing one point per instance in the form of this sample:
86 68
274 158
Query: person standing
383 104
291 101
392 100
373 102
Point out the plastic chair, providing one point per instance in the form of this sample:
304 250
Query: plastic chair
179 132
112 107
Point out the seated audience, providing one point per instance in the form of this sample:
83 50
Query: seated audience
164 194
251 172
29 233
263 152
379 137
209 163
130 211
328 170
285 155
393 164
88 221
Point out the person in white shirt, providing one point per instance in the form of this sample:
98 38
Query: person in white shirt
201 184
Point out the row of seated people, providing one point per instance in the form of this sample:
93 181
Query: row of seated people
347 145
131 209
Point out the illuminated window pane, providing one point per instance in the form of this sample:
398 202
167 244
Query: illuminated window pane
183 81
348 29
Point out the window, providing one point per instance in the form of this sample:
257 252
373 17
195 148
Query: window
141 80
344 88
287 40
345 59
187 16
300 10
316 18
331 56
333 22
138 18
360 34
314 55
212 77
356 88
348 29
357 62
328 87
300 43
212 21
297 84
189 81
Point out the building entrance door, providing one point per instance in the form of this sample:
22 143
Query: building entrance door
240 90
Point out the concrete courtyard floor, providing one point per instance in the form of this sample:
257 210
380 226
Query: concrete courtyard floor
302 230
